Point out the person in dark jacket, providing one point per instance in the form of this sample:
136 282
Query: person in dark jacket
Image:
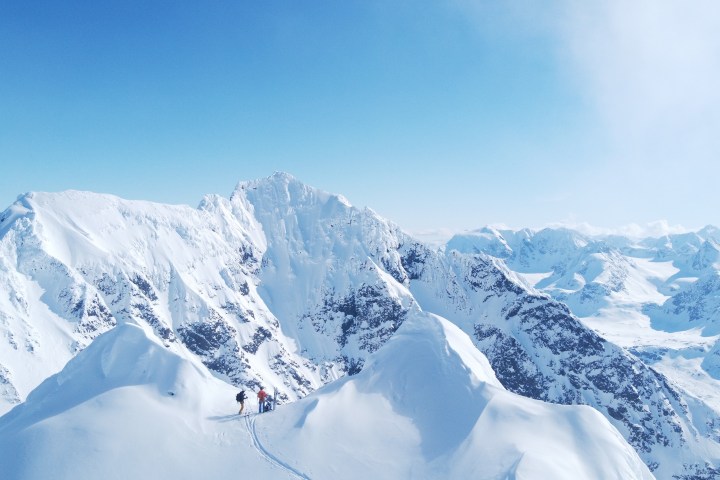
240 397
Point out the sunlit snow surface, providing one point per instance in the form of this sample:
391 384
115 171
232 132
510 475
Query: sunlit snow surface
427 406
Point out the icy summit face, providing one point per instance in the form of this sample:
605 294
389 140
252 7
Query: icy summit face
286 285
331 272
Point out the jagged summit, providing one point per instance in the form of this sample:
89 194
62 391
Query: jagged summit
284 187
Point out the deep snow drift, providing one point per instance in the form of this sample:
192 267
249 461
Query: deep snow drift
426 406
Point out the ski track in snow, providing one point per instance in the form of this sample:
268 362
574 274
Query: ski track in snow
250 424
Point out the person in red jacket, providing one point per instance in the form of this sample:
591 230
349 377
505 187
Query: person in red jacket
261 399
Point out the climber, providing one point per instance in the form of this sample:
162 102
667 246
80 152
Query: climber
261 399
240 398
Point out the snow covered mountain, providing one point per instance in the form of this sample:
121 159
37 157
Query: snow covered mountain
657 297
592 273
76 264
651 295
286 285
427 406
464 423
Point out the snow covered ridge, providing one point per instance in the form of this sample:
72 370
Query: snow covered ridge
103 412
428 406
128 407
285 285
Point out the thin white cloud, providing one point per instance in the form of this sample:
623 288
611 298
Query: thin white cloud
647 73
658 228
649 68
652 69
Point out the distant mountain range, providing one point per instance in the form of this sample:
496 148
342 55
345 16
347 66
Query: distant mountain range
658 297
286 285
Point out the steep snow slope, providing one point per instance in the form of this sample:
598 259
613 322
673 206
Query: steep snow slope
331 272
75 264
129 407
427 406
538 349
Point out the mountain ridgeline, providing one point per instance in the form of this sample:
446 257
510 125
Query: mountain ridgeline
286 285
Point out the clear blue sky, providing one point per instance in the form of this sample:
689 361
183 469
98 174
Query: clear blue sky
436 114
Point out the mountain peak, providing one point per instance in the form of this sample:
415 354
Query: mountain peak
437 403
282 176
103 366
277 178
282 188
710 232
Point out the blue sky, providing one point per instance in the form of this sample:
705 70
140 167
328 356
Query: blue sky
436 114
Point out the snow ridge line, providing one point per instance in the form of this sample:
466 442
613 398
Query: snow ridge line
250 424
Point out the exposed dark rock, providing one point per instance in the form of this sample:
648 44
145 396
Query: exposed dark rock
260 335
145 287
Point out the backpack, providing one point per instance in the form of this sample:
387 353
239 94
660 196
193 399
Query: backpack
240 396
